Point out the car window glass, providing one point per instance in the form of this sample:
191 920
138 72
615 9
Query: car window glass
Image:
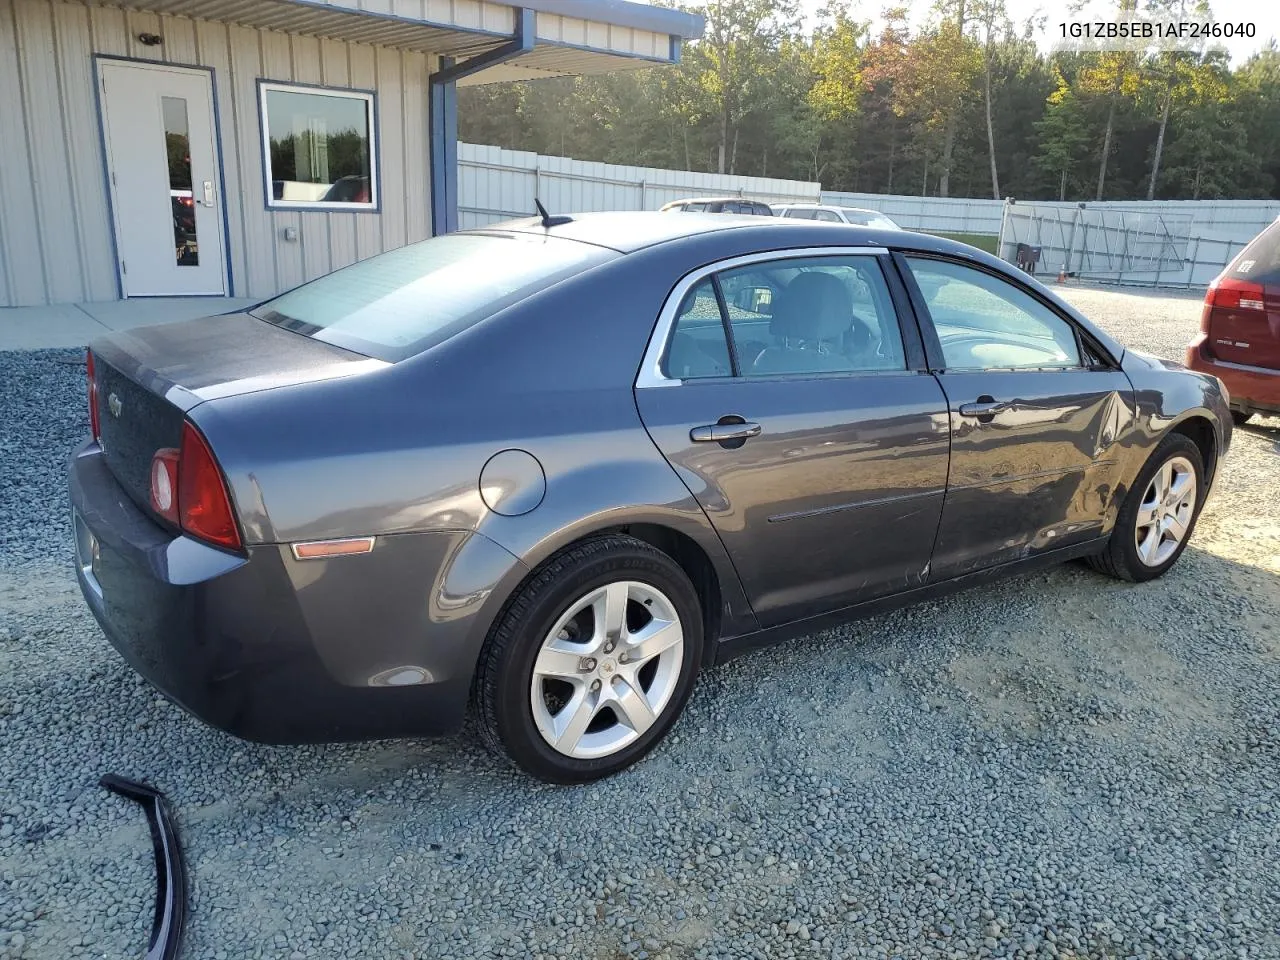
1260 260
826 215
986 323
698 347
694 207
763 210
800 213
812 315
399 303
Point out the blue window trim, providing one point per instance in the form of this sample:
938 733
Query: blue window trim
375 154
97 59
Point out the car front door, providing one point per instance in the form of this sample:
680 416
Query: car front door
783 391
1037 413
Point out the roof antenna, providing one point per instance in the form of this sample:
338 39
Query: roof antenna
547 219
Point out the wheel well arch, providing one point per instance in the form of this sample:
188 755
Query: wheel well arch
1200 431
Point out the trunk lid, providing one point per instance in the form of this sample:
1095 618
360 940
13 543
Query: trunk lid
149 378
1242 308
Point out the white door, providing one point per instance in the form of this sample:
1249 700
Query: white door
165 181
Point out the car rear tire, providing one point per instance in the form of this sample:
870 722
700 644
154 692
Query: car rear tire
1159 514
590 662
1240 417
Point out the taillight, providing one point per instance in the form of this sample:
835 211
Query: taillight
94 426
187 489
1228 293
204 506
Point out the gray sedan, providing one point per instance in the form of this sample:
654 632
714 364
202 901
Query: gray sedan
547 471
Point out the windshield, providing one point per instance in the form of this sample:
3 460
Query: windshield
400 303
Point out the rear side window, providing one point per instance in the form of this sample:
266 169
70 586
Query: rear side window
800 213
1259 262
402 302
797 316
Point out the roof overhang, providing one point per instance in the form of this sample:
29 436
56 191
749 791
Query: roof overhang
572 37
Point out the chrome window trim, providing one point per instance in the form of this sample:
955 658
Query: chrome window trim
651 374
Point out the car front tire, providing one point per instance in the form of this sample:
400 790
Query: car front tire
590 662
1159 514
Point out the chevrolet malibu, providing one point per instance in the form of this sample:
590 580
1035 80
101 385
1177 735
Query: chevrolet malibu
549 470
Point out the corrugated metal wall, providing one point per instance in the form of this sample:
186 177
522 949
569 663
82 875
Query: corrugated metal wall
55 231
496 184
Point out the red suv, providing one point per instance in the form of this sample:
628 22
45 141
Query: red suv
1239 340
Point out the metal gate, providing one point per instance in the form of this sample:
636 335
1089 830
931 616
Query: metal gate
1120 246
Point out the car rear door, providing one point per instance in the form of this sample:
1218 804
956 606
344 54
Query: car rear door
1037 415
1243 305
803 420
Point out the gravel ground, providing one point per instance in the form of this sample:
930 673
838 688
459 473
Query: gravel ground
1059 765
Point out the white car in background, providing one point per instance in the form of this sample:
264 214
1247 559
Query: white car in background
818 211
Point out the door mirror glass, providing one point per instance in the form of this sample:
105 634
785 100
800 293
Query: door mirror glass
755 299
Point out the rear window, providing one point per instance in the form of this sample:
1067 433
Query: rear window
1260 260
402 302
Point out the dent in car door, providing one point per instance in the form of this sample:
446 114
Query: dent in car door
1036 419
827 489
1038 473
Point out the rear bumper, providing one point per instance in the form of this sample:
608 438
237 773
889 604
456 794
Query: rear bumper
276 650
1252 389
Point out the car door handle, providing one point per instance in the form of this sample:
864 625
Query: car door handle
720 432
985 407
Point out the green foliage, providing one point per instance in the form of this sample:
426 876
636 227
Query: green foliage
884 112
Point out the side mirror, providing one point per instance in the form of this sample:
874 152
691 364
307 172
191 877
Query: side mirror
755 299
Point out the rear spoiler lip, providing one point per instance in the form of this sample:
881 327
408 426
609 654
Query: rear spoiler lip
171 875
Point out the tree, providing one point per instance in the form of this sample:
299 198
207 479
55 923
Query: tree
741 37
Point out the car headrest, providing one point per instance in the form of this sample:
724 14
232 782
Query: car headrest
814 306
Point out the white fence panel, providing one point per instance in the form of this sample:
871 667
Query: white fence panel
496 184
930 214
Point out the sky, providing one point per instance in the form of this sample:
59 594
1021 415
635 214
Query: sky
1263 14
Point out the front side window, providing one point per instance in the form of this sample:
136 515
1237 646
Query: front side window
800 213
986 323
826 215
793 316
401 302
319 147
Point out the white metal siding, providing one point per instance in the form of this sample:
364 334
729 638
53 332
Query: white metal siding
496 184
55 230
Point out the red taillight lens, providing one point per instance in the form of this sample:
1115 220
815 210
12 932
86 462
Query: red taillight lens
1228 293
164 483
94 424
204 506
187 489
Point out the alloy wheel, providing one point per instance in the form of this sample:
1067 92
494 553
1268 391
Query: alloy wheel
607 669
1164 516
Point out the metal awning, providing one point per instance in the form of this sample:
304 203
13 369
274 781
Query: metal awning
573 36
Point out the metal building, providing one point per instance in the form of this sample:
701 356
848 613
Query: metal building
239 147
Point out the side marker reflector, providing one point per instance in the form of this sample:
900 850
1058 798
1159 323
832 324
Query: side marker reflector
321 549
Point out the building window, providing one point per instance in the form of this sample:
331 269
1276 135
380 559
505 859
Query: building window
319 148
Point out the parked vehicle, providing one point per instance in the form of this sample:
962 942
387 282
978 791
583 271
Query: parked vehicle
719 205
549 473
833 214
1239 339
